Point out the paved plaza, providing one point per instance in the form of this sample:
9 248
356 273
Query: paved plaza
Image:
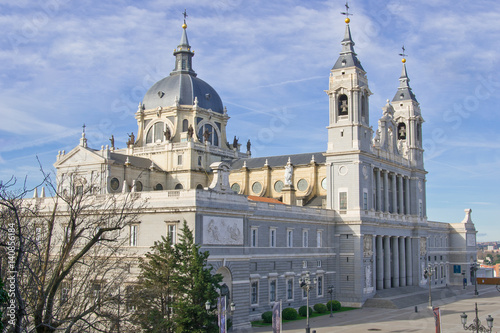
406 319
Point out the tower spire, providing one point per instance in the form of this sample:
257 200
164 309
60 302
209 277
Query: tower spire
347 56
404 90
183 54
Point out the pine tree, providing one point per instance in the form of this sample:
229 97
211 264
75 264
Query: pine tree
3 302
174 285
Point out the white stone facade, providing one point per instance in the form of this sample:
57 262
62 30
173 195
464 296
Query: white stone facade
371 232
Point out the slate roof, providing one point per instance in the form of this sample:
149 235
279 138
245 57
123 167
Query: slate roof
404 92
347 57
277 161
139 162
182 84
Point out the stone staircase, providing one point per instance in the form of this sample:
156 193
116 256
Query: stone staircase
403 297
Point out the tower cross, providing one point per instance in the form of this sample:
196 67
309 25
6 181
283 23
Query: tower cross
403 54
185 15
346 13
84 128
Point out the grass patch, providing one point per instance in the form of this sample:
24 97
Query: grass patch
260 323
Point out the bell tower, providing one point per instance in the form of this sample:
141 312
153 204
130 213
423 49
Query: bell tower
349 132
348 93
409 121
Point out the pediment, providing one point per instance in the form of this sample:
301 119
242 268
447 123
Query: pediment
80 156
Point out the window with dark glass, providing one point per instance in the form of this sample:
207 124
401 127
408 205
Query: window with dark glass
272 291
289 289
255 292
363 106
343 200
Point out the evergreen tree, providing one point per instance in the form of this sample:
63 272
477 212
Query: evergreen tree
174 285
3 302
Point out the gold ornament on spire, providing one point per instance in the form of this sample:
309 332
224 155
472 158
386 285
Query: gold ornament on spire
346 13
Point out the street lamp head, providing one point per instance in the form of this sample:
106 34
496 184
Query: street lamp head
489 322
464 318
207 305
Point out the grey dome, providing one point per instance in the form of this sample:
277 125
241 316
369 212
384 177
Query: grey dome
186 87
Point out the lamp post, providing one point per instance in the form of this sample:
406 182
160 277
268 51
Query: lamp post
476 323
428 275
330 291
232 308
305 283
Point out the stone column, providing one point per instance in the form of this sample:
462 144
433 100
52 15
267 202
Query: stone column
394 194
289 197
409 262
387 262
402 262
407 199
378 190
380 263
401 199
386 191
395 262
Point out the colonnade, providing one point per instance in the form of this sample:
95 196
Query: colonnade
391 192
394 262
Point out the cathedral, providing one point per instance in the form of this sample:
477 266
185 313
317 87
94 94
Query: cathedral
353 217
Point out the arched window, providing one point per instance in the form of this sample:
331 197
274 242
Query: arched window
401 131
208 131
179 186
158 187
156 133
419 131
343 106
185 125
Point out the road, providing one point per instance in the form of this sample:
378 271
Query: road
405 320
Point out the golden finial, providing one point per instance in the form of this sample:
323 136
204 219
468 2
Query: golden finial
346 13
403 55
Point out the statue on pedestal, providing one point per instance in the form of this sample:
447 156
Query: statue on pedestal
288 173
131 139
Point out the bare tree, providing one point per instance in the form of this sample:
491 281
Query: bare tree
68 254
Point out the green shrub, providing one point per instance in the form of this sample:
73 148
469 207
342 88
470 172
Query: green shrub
303 311
335 305
267 317
289 314
320 308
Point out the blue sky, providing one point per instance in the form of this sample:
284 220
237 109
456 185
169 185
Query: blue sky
68 62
